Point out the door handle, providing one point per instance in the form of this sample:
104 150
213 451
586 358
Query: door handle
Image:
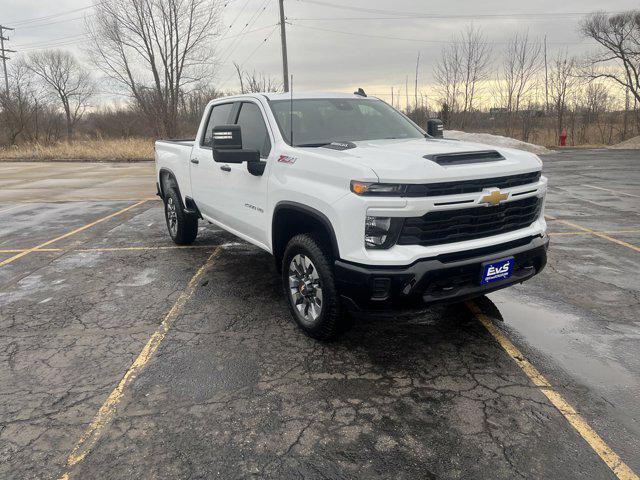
195 160
225 168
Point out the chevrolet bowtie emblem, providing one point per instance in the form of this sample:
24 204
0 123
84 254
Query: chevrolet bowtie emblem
494 198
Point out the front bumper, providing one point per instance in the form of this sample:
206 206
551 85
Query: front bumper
445 278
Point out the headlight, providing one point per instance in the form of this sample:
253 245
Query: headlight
381 232
369 188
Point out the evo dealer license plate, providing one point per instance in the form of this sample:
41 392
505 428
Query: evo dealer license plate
496 270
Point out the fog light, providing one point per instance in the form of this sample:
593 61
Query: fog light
382 232
376 230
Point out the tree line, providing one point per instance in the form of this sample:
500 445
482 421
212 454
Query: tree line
521 92
158 55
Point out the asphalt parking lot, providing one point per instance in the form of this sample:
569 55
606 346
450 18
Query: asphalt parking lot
124 357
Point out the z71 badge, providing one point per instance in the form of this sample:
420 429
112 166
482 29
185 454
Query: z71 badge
287 159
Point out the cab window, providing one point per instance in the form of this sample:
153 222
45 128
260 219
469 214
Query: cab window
254 130
219 116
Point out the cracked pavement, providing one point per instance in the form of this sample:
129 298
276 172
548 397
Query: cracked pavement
236 391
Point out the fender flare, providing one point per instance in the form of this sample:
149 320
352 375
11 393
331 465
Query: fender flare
175 181
312 212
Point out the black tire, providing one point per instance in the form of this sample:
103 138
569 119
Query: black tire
185 229
326 325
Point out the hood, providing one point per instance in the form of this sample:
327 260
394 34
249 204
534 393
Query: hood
402 161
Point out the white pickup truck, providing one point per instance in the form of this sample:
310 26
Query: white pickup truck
361 208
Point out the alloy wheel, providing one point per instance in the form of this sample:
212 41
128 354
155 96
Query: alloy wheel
172 217
305 288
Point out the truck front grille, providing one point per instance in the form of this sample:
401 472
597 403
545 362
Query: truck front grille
470 186
448 226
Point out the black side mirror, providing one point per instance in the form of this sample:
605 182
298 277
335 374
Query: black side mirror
435 127
227 146
256 168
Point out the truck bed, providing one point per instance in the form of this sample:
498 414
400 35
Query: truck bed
174 156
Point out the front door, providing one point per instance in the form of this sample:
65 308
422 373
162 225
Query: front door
245 195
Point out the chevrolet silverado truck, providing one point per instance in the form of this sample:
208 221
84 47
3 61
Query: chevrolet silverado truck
361 208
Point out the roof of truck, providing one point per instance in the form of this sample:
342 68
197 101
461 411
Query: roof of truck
301 95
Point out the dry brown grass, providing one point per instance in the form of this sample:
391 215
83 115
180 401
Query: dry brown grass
112 150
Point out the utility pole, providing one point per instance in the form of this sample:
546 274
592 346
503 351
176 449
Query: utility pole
283 38
546 78
3 55
415 92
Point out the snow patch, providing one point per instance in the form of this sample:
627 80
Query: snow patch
495 140
629 144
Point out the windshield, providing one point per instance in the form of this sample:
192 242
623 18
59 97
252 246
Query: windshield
320 121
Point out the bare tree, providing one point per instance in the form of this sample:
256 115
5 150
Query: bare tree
517 76
156 49
475 62
64 79
619 37
254 83
462 66
18 105
619 57
561 80
448 75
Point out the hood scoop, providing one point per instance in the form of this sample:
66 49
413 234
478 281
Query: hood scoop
462 158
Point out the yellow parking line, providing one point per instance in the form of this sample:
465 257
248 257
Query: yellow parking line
88 200
20 250
108 249
68 234
107 411
612 191
599 446
636 230
136 249
599 234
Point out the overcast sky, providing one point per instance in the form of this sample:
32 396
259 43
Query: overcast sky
370 43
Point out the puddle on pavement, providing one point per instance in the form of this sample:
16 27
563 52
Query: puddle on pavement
598 354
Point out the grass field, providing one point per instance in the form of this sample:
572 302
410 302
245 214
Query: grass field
113 150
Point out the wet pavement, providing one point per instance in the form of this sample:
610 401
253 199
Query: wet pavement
234 390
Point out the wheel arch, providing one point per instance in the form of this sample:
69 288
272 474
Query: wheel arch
165 176
292 218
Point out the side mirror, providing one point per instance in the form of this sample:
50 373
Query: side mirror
227 146
256 168
435 127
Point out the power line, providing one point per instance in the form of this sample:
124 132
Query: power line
252 20
46 42
236 18
423 15
66 40
528 18
55 45
241 64
49 17
386 37
40 25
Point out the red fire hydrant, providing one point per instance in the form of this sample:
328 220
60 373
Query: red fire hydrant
563 137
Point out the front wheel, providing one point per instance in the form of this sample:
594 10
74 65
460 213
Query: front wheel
182 227
307 275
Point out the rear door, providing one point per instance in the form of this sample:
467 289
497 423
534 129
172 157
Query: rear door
245 195
206 176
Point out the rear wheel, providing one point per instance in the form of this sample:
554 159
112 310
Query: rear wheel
182 227
309 285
